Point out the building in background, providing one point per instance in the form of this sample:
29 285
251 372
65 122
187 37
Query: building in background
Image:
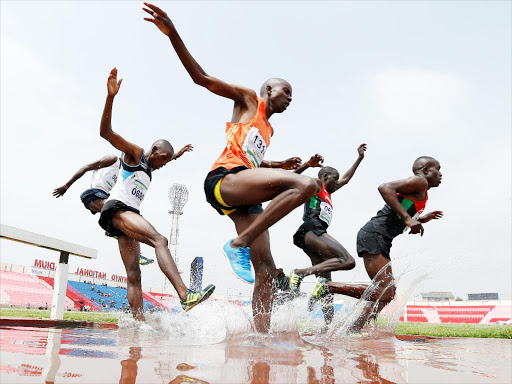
483 296
437 296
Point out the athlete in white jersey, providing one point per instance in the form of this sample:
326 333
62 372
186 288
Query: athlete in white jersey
120 215
104 176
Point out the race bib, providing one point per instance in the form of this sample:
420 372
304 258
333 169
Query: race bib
255 147
325 212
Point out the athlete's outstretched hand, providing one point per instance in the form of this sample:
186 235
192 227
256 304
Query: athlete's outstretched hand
434 215
415 226
315 161
58 192
186 148
291 163
112 84
361 149
160 18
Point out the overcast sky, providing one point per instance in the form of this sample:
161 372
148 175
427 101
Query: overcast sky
407 78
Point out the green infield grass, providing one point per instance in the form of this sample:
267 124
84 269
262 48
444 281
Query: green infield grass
455 330
107 317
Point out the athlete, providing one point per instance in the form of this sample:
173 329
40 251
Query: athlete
103 178
120 214
326 253
240 180
405 202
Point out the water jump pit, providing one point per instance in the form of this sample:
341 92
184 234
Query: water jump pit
215 344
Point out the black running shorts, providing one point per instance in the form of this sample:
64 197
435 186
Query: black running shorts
373 243
315 226
90 195
108 211
209 190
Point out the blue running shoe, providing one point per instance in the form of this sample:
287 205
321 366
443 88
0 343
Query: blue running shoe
240 261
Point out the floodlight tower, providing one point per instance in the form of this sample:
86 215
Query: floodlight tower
178 196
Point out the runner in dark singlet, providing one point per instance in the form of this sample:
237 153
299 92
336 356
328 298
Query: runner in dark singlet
326 253
405 202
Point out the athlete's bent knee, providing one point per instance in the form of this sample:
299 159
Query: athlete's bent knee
308 186
134 277
161 241
350 263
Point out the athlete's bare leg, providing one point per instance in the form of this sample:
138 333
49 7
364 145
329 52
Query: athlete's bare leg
287 190
130 251
333 255
264 269
136 227
383 293
97 204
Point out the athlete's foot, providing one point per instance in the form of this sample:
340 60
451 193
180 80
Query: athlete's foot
195 297
319 291
240 261
145 261
295 280
282 282
108 234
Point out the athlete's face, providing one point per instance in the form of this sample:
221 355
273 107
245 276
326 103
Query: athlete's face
330 180
433 174
280 96
157 159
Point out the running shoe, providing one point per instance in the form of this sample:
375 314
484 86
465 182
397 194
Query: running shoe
282 282
195 297
295 280
240 261
144 260
319 291
108 234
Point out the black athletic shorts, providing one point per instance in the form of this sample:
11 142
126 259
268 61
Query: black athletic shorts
90 195
373 243
315 226
108 211
209 190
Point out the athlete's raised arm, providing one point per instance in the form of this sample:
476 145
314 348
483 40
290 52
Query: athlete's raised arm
104 162
348 175
132 152
237 93
186 148
314 161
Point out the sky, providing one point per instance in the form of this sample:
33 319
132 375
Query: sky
406 78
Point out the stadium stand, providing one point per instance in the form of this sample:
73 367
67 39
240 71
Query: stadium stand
79 300
448 314
164 300
19 289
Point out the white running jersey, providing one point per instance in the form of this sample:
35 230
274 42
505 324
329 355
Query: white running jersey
132 183
105 178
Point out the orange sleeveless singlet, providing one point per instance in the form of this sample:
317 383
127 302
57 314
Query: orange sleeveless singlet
246 142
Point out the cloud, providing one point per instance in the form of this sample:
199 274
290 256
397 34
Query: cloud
413 95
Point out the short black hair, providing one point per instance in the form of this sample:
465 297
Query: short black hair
164 145
327 171
421 162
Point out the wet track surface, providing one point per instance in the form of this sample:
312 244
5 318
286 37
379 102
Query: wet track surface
151 355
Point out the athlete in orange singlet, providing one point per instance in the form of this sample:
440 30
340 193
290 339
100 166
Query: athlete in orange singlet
240 180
